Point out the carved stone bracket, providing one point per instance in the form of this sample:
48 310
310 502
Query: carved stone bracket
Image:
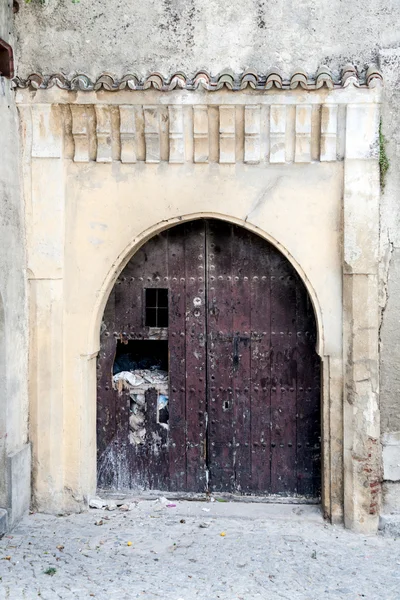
256 133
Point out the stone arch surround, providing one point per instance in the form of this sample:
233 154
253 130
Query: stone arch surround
140 240
104 171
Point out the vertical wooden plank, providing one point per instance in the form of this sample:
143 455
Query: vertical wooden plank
260 300
106 426
196 406
308 399
157 446
151 272
284 376
177 359
120 465
241 361
219 359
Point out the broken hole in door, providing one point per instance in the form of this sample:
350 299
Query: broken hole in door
140 367
141 354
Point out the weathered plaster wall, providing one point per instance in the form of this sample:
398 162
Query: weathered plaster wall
103 171
13 306
170 35
390 281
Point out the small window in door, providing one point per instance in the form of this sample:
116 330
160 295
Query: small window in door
156 303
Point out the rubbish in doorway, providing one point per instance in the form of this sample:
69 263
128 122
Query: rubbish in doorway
137 415
137 383
127 379
162 410
163 500
97 502
138 377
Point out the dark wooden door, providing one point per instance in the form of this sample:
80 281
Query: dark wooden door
243 374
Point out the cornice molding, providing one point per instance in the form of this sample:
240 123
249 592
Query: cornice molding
202 80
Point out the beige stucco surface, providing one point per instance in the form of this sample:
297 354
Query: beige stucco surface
13 302
104 172
113 209
110 207
175 35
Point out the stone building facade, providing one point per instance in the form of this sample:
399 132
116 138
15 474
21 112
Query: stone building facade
116 133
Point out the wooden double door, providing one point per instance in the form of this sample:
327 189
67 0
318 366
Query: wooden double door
228 317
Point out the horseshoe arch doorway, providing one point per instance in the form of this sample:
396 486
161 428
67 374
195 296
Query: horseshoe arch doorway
208 376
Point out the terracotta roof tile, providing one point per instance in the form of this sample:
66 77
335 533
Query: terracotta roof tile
204 80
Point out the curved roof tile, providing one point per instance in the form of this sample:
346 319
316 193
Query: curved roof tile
203 80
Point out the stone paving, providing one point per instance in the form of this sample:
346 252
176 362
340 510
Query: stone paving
195 550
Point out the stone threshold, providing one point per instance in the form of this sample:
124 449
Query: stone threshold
234 510
132 496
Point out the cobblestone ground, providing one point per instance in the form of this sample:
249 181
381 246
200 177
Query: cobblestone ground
179 553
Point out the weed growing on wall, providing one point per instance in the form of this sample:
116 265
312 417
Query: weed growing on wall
383 159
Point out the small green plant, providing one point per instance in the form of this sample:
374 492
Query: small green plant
383 159
50 571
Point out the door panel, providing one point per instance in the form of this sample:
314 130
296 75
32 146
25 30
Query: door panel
283 377
260 388
244 377
219 357
177 361
241 362
195 338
